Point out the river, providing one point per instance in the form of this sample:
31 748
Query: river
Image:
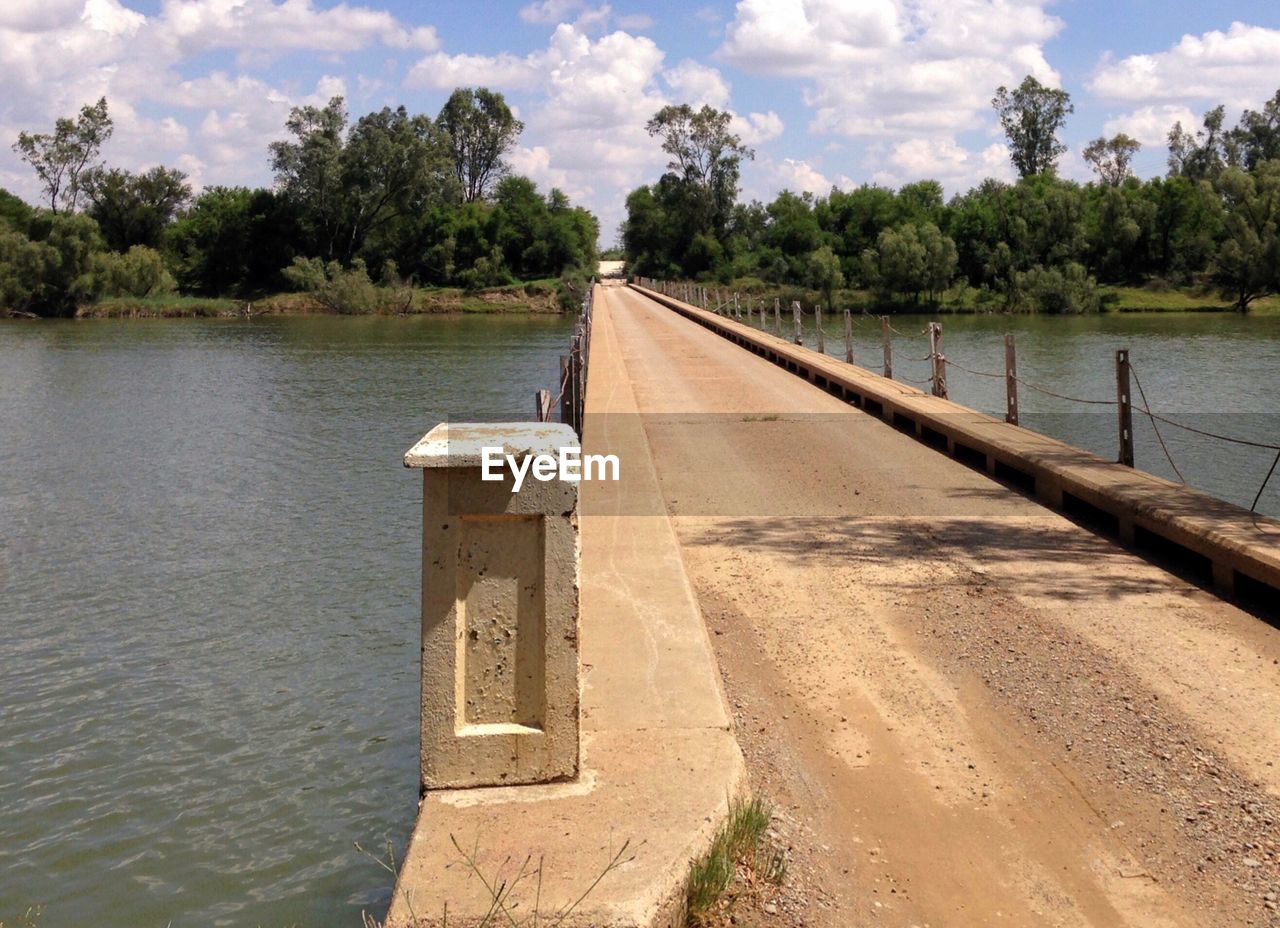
209 567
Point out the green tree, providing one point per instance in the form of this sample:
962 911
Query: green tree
1247 264
234 240
60 157
1110 158
138 272
50 273
1256 138
134 209
1202 155
825 274
481 130
706 160
1032 115
15 212
308 170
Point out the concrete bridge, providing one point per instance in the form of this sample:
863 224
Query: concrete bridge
870 606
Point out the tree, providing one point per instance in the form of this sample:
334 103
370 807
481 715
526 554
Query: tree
308 170
911 260
59 158
1203 155
481 130
1257 136
234 240
1110 158
134 209
1248 260
825 274
15 212
706 158
1032 115
392 164
51 272
139 272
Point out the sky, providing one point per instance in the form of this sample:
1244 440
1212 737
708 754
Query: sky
826 92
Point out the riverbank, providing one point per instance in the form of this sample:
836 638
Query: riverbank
532 297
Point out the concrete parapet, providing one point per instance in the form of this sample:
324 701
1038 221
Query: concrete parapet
500 662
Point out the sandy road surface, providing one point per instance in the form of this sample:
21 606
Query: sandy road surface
968 710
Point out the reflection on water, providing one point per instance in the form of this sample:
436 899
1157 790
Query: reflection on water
209 564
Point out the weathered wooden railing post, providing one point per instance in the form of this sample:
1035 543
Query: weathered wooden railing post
737 309
888 347
848 337
543 405
1125 407
777 316
795 312
499 609
1010 381
822 341
566 398
938 364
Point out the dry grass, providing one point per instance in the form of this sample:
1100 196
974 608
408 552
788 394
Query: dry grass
514 892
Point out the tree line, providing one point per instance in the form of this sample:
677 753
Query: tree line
1040 243
358 210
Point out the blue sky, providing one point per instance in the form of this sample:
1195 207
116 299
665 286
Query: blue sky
828 92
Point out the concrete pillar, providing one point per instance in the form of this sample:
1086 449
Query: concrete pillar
499 610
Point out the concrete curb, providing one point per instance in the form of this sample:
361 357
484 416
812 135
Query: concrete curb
1226 545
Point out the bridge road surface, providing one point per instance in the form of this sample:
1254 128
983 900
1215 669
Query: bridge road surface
966 709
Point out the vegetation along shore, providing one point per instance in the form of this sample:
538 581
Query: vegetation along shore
394 213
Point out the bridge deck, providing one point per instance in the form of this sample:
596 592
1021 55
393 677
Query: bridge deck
970 710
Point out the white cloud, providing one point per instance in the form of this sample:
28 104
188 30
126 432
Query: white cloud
697 84
1236 67
757 128
894 67
1150 125
943 159
799 177
197 25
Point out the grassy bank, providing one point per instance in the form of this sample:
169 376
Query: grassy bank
1149 299
538 296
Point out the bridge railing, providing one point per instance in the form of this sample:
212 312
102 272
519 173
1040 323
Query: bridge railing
571 398
731 304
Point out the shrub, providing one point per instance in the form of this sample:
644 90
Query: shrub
139 272
1068 289
346 290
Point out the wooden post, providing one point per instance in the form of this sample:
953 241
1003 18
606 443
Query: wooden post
1125 407
822 342
795 312
737 309
888 347
939 364
544 405
566 397
848 337
777 317
1010 381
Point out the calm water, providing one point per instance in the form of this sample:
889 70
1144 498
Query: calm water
209 611
209 577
